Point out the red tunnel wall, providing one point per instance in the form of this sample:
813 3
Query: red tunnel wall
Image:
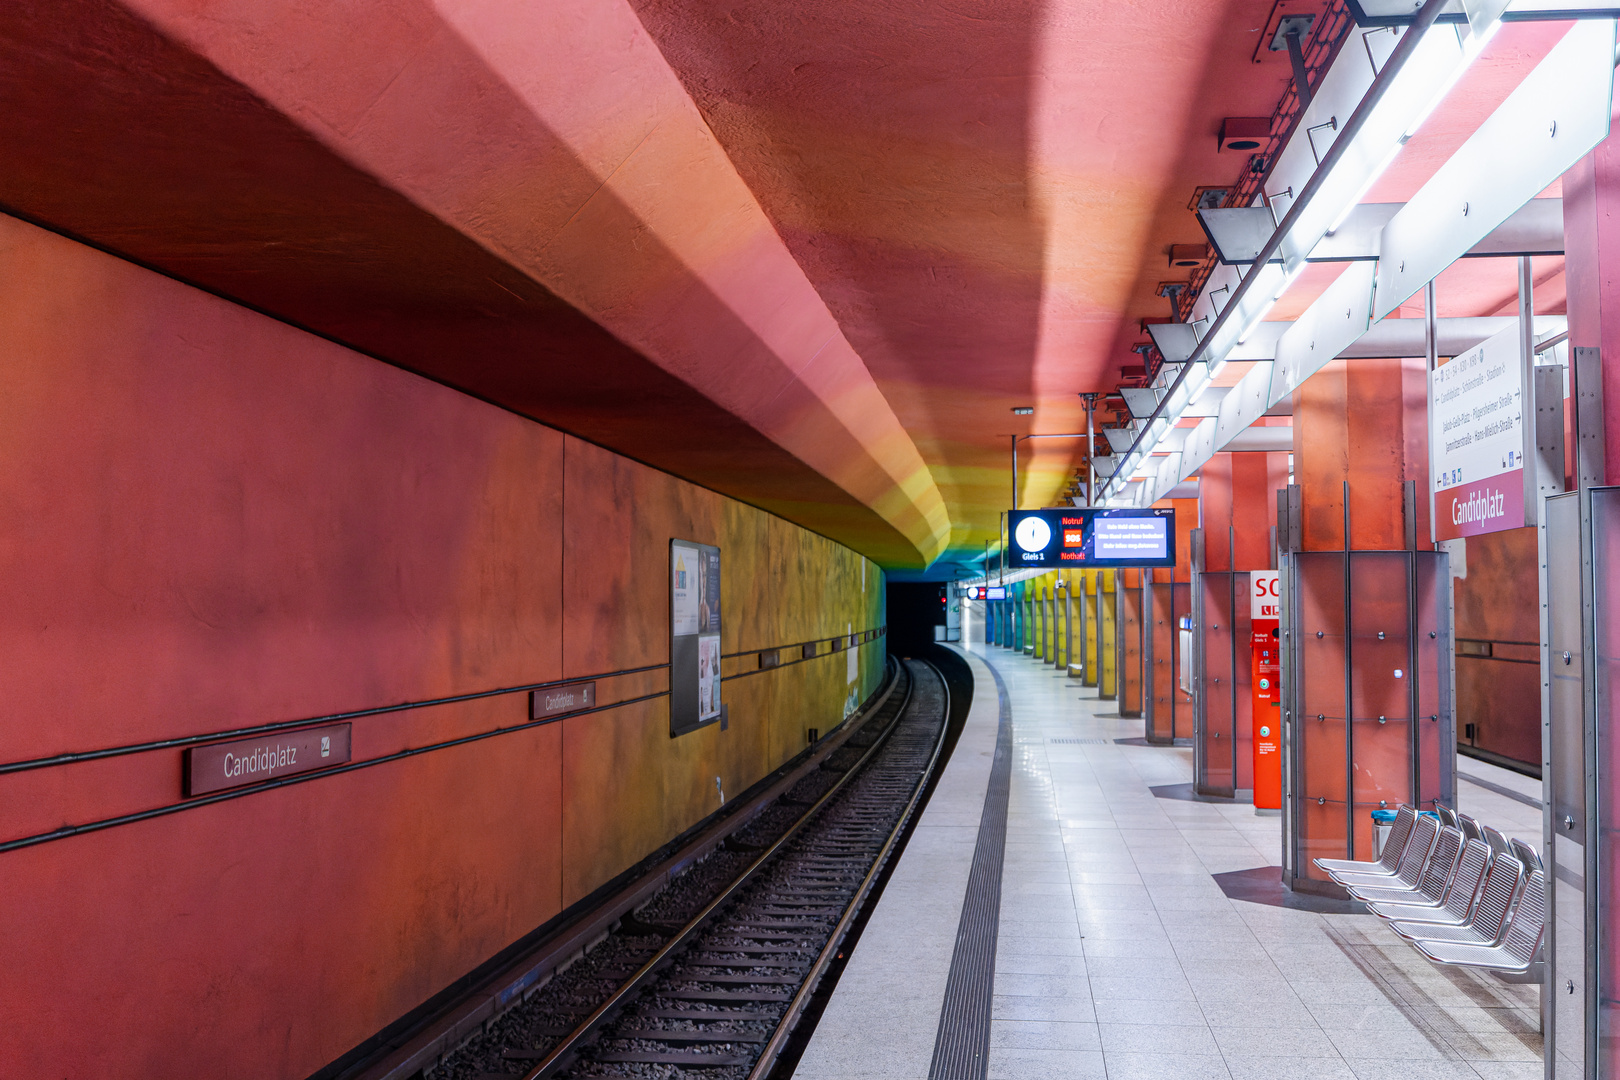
212 520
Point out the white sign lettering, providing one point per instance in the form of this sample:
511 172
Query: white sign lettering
1265 596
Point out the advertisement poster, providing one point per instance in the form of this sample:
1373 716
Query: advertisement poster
694 636
684 563
708 677
1476 439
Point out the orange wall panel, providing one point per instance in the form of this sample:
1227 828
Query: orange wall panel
214 520
1497 603
1364 422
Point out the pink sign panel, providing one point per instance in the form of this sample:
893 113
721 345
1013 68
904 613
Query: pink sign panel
218 766
1482 506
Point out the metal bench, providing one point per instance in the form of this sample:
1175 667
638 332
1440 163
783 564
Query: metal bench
1490 912
1430 890
1389 860
1457 905
1519 945
1414 857
1460 892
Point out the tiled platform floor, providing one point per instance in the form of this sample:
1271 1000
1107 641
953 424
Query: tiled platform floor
1120 957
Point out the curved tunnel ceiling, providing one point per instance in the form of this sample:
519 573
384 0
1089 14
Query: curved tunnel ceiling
810 255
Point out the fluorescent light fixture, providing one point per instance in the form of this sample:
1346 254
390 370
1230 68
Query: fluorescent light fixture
1182 396
1372 178
1430 67
1259 317
1289 277
1471 48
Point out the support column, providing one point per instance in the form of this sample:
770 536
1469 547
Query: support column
1583 598
1237 497
1080 604
1364 423
1167 707
1366 616
1092 638
1105 635
1128 640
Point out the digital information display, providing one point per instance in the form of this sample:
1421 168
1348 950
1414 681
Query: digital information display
1096 538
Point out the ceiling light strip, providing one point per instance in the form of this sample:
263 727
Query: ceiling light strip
1263 269
1515 154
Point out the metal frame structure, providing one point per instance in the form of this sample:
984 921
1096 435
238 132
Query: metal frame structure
1216 712
1417 649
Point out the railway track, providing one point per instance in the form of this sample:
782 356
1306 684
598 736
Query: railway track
711 978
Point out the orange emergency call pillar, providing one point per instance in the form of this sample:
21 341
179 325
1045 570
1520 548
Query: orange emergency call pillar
1265 687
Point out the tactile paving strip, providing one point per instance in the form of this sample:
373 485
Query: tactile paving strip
962 1045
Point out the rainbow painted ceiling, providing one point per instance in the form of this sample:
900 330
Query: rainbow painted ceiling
810 255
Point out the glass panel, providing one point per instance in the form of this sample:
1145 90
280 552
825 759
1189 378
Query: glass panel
1317 593
1566 859
1043 645
1161 663
1243 686
1181 723
1381 686
1085 610
1605 533
1129 641
1436 724
1063 624
1104 656
1215 728
1037 622
1050 609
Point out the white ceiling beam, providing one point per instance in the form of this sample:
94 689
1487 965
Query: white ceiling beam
1549 122
1238 233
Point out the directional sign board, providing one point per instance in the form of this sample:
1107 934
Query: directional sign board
1476 439
1094 537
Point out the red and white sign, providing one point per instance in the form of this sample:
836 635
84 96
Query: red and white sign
1265 596
1265 681
1265 611
1476 439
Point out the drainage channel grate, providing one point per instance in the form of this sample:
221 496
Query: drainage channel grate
1081 742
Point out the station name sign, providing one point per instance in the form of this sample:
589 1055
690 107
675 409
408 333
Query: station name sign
218 766
556 700
1476 439
1093 538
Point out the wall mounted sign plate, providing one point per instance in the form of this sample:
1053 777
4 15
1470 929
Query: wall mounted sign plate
556 700
223 765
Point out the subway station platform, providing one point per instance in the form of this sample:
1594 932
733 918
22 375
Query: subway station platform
1142 934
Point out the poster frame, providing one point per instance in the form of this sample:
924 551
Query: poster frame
695 698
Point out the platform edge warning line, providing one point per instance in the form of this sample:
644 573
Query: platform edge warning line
962 1044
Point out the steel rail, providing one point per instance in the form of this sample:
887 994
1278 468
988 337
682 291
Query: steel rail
1386 76
784 1028
567 1049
